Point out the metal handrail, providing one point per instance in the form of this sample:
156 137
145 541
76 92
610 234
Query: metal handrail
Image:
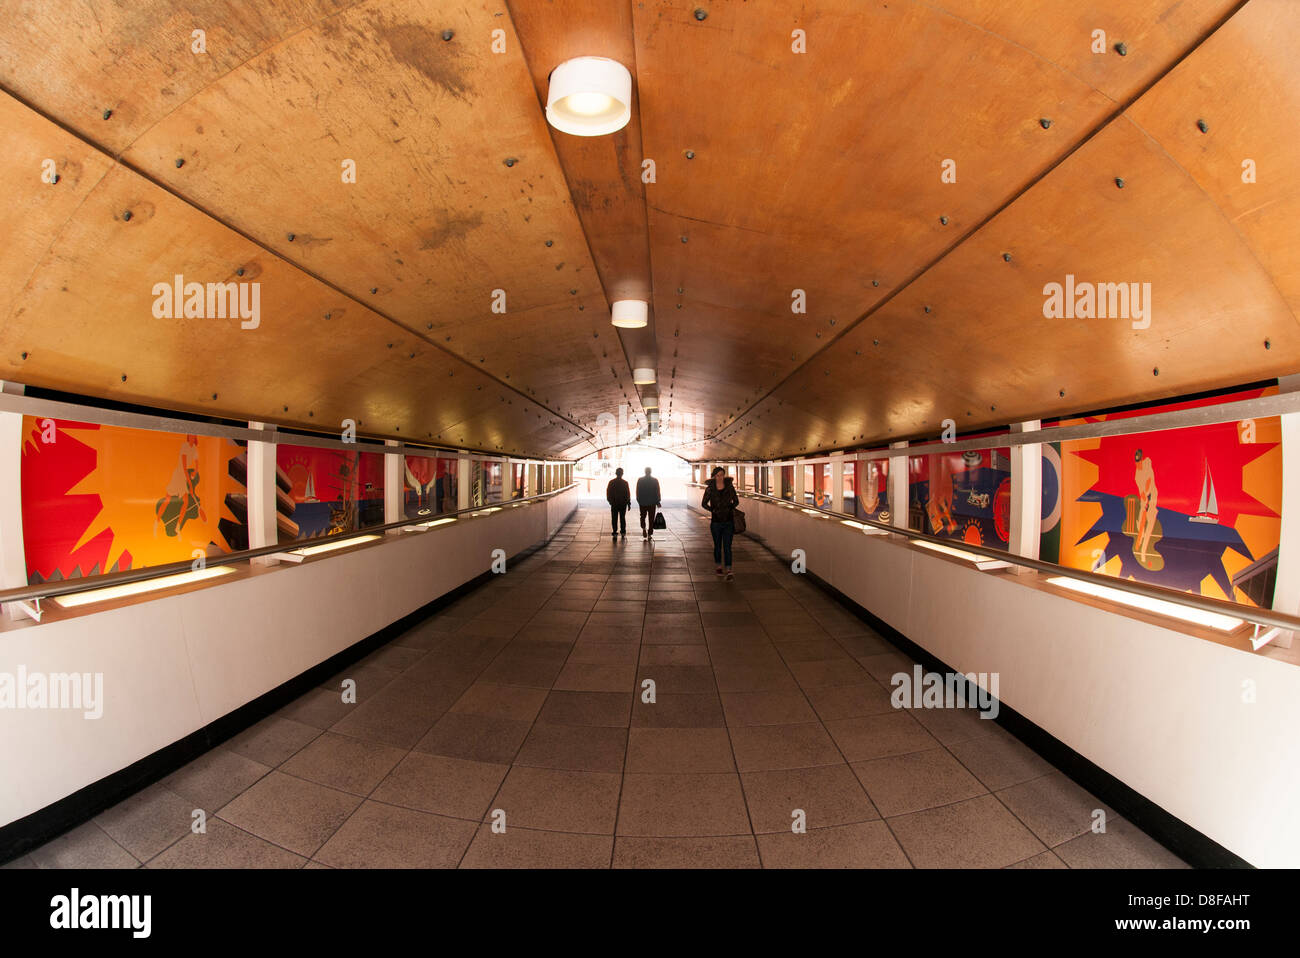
38 408
47 590
1260 407
1250 614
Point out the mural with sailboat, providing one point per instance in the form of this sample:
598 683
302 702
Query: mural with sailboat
1195 509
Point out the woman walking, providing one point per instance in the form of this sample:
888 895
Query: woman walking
721 500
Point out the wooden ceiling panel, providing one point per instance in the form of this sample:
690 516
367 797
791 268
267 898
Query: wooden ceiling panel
822 171
39 207
985 354
136 58
84 322
1242 84
1153 34
437 223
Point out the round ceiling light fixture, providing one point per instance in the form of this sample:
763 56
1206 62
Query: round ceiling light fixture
643 376
650 401
630 313
589 96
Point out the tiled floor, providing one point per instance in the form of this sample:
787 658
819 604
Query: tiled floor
522 704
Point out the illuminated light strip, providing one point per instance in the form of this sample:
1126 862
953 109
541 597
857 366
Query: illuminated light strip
428 525
331 546
868 530
1212 620
980 562
485 512
74 599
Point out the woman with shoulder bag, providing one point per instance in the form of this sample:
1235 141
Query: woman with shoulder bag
721 500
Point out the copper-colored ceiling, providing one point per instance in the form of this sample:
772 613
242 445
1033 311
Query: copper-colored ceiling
775 171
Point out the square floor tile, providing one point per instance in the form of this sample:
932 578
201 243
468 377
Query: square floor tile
1000 760
214 778
455 787
666 750
87 846
348 764
1054 808
861 845
875 736
608 709
576 748
224 846
776 707
559 800
501 701
767 747
976 833
679 710
148 821
479 738
1122 845
681 805
291 812
827 795
717 851
384 836
518 847
908 783
272 740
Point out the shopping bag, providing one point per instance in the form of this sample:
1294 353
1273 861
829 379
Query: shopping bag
738 518
659 521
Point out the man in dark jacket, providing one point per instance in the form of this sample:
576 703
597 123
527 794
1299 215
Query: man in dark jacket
647 497
619 497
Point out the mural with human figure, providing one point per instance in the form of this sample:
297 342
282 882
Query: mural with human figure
1195 509
962 495
99 499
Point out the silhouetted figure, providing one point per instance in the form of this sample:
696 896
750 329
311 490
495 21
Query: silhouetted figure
647 497
721 500
619 497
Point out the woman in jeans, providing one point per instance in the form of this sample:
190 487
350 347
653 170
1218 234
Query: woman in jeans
721 500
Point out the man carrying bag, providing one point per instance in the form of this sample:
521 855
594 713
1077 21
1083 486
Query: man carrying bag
647 497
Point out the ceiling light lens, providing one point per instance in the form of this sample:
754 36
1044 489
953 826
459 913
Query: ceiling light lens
588 104
630 313
589 96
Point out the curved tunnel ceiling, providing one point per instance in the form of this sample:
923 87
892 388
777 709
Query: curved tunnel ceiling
773 171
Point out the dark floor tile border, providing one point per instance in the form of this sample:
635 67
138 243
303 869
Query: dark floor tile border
1192 846
34 830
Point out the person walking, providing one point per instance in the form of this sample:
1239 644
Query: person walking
647 497
721 500
619 497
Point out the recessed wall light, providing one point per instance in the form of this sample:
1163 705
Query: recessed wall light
589 96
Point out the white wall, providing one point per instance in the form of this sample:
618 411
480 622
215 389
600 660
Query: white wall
173 665
1160 710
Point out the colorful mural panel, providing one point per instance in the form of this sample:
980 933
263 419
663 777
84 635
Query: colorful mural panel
963 495
869 485
325 492
430 486
99 499
1194 509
